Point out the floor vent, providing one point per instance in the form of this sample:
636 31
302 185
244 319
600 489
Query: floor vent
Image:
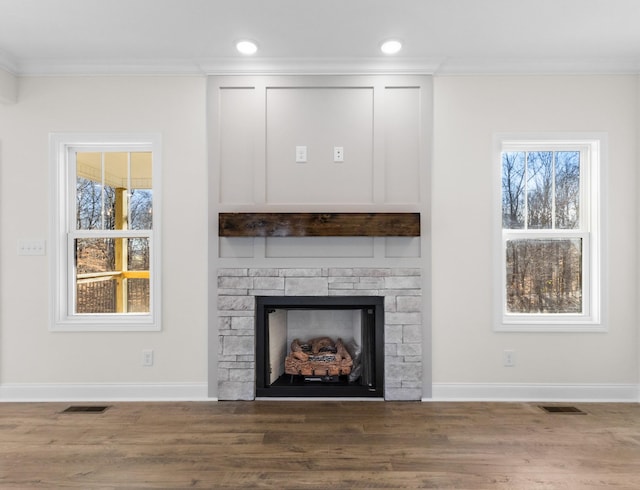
561 409
85 409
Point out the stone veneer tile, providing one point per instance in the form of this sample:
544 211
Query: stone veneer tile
342 272
403 318
235 303
266 292
306 286
393 334
403 282
403 292
235 282
409 303
342 285
413 350
243 323
238 345
268 283
406 272
371 272
236 390
354 292
343 279
233 292
303 272
401 288
264 272
403 394
412 333
232 272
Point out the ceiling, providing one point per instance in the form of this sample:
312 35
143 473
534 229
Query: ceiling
319 36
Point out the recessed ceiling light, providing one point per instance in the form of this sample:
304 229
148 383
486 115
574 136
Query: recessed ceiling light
391 46
246 47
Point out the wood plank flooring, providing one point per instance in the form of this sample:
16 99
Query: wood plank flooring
319 445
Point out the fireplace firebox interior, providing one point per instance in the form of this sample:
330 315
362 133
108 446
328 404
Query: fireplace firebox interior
310 346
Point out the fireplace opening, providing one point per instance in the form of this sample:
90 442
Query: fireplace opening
314 346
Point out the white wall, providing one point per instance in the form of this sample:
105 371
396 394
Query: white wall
638 231
29 352
468 112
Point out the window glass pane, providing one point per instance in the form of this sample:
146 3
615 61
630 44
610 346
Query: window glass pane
94 255
513 174
112 275
116 178
539 189
96 295
544 276
138 254
567 189
137 286
138 295
141 195
88 204
89 198
114 191
95 288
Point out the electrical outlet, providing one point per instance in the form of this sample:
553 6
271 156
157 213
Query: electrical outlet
301 154
338 154
147 357
509 358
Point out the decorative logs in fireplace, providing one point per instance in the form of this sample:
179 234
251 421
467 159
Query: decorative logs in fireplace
290 368
318 357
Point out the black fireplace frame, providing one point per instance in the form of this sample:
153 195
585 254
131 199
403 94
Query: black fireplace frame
265 303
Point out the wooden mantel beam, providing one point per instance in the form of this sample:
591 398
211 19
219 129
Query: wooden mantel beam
318 224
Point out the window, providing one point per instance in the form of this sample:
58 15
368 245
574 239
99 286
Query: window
550 242
105 245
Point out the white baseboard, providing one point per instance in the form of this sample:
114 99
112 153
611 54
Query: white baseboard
522 392
533 392
103 392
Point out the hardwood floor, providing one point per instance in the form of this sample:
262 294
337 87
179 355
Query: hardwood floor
319 445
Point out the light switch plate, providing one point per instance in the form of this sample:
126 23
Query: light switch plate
31 247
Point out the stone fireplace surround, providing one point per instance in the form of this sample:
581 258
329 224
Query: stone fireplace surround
400 287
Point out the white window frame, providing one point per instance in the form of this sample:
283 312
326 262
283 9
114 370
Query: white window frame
593 154
62 148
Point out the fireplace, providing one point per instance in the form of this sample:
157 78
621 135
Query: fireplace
398 346
311 346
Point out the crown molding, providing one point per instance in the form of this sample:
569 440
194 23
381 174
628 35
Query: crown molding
8 87
539 66
227 66
322 66
59 67
8 64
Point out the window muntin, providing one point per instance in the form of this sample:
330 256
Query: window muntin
107 255
550 252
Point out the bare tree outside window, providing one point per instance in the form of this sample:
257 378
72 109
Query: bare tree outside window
540 201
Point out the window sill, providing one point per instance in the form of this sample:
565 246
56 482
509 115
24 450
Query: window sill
102 325
547 327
